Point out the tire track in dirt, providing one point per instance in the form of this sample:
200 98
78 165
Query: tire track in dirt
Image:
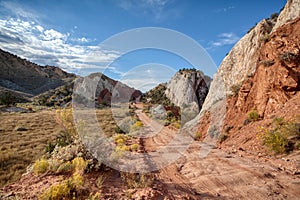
219 175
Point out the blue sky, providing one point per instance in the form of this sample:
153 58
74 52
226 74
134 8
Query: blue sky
63 33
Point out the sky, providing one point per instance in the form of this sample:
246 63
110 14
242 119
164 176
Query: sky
113 36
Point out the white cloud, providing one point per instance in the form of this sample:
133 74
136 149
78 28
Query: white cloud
19 11
224 39
225 9
154 9
54 35
147 76
30 40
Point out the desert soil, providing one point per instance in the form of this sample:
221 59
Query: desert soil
226 173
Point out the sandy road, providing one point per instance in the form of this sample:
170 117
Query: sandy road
221 174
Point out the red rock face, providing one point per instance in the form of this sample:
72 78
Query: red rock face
104 97
277 78
273 90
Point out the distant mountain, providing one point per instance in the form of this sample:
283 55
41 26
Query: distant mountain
51 86
107 90
20 75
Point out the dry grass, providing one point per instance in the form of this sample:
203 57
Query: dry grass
18 149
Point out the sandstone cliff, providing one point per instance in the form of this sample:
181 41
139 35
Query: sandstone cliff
188 88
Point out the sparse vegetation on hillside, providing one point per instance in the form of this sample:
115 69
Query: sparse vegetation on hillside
282 136
157 96
18 149
57 97
8 99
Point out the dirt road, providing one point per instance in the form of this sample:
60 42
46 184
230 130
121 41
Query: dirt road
222 174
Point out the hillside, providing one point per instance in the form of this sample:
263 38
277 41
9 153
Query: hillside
24 76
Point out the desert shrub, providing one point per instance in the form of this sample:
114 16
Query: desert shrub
95 196
134 147
40 166
120 141
65 118
274 16
223 137
265 38
65 167
118 130
280 138
68 189
167 122
235 89
138 124
177 125
252 115
287 57
49 147
268 63
133 180
7 99
122 148
100 180
79 164
198 135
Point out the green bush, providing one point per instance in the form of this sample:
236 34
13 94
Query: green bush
50 147
252 115
223 137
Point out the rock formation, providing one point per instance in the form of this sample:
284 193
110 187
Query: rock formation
188 88
260 72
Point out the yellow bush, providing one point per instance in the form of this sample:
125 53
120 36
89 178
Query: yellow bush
198 135
120 141
277 137
69 188
138 124
65 118
132 180
100 180
177 125
95 196
79 164
65 167
40 166
134 147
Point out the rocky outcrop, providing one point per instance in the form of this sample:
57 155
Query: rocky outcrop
277 77
188 87
259 72
104 90
290 12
